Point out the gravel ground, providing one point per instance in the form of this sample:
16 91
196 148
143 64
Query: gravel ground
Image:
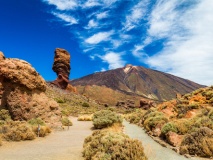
60 145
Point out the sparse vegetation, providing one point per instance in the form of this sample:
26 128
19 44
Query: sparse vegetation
36 121
107 145
105 118
66 122
44 131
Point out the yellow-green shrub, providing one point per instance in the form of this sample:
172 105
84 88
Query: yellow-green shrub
17 131
105 145
169 127
44 131
66 122
105 118
4 115
85 118
152 119
36 121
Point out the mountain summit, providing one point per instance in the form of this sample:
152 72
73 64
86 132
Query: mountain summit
140 81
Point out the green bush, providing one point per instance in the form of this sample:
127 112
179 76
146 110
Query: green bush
169 127
105 118
58 100
4 115
152 119
66 122
105 145
36 121
85 104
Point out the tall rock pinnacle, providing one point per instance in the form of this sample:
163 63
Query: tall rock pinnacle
62 68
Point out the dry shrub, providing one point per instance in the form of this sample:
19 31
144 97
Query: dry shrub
105 118
4 115
135 117
0 141
44 131
17 131
105 145
198 143
170 126
66 122
153 119
85 118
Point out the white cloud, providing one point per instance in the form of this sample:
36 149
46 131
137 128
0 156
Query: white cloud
163 19
92 24
137 13
67 18
103 69
99 37
91 3
113 59
102 15
186 54
63 4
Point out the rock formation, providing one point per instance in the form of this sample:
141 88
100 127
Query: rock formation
61 66
23 93
146 104
126 104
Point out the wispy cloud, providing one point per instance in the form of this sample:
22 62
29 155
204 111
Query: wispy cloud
186 54
137 13
113 59
99 37
102 15
63 4
91 24
67 18
91 3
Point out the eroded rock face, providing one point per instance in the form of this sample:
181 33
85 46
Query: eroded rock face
61 66
23 93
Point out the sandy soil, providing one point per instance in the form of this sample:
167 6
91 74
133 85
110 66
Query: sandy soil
63 145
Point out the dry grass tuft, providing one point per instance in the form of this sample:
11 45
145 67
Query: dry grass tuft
85 118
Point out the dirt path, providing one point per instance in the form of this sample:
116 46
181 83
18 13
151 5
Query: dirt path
61 145
152 149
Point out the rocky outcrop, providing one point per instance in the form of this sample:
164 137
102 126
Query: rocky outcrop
126 104
146 104
174 139
23 93
61 66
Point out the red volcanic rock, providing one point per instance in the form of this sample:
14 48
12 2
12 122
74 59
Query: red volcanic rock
23 93
146 104
174 139
61 66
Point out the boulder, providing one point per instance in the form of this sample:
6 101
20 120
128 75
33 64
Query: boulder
146 104
173 138
23 93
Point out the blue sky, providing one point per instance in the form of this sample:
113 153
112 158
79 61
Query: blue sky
173 36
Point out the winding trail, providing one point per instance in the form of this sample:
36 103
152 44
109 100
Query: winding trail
63 145
152 149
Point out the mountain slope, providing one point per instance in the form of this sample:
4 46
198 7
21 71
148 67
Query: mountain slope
140 81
